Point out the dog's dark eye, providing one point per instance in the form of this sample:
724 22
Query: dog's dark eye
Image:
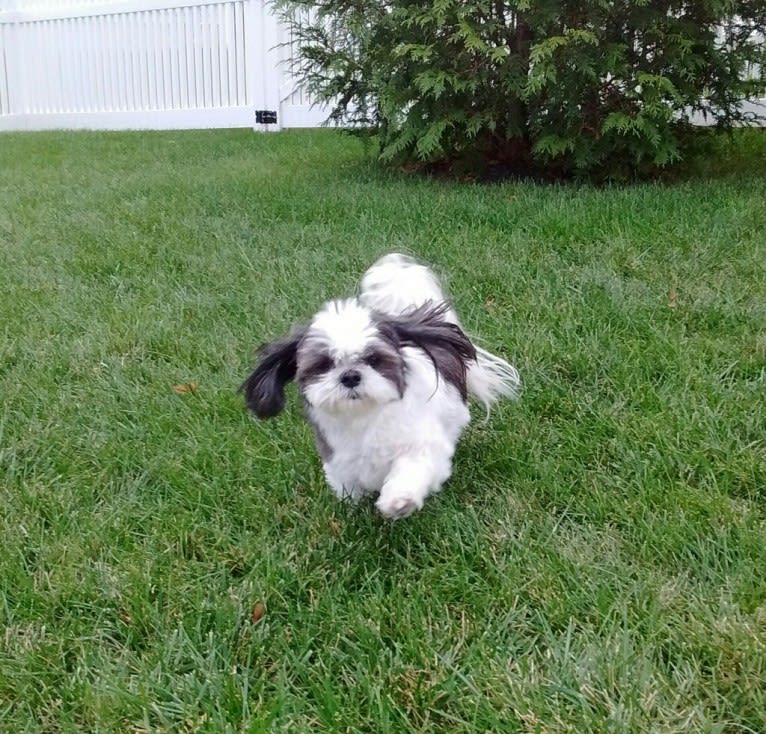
316 367
373 359
323 364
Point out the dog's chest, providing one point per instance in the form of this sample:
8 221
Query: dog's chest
362 449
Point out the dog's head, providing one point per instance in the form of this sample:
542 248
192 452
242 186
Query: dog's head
351 359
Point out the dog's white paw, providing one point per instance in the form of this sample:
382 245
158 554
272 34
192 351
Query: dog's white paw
397 507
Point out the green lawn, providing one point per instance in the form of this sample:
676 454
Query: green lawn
597 563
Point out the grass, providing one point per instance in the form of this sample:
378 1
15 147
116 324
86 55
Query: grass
597 563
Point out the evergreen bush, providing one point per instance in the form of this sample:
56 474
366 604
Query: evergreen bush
603 88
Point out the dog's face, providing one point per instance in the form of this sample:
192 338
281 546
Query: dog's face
349 358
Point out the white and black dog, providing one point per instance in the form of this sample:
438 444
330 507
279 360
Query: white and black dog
385 379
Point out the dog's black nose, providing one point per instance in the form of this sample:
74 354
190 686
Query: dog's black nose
351 378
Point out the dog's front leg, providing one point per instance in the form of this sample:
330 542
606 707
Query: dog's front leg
411 479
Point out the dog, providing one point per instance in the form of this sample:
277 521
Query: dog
385 379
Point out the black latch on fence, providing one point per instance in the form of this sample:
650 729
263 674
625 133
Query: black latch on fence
266 117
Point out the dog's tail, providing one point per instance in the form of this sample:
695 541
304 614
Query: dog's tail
492 378
397 284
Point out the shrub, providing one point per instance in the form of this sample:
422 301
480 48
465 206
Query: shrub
602 88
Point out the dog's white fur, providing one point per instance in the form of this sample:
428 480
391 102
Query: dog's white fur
398 447
396 283
394 433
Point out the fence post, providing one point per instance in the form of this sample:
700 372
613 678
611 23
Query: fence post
262 63
18 100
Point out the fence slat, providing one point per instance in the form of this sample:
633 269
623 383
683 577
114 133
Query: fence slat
188 60
5 106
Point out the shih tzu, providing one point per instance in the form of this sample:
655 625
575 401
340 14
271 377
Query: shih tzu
385 380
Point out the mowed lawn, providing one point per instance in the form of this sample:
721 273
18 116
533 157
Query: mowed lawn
597 563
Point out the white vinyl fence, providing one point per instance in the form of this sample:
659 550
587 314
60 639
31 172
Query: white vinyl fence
146 64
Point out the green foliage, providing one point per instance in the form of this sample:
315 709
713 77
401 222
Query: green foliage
603 88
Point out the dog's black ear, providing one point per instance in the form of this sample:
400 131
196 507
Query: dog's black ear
446 345
264 388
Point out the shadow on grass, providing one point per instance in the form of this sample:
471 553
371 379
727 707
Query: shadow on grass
711 154
716 155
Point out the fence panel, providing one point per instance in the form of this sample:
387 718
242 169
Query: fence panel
297 106
154 64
